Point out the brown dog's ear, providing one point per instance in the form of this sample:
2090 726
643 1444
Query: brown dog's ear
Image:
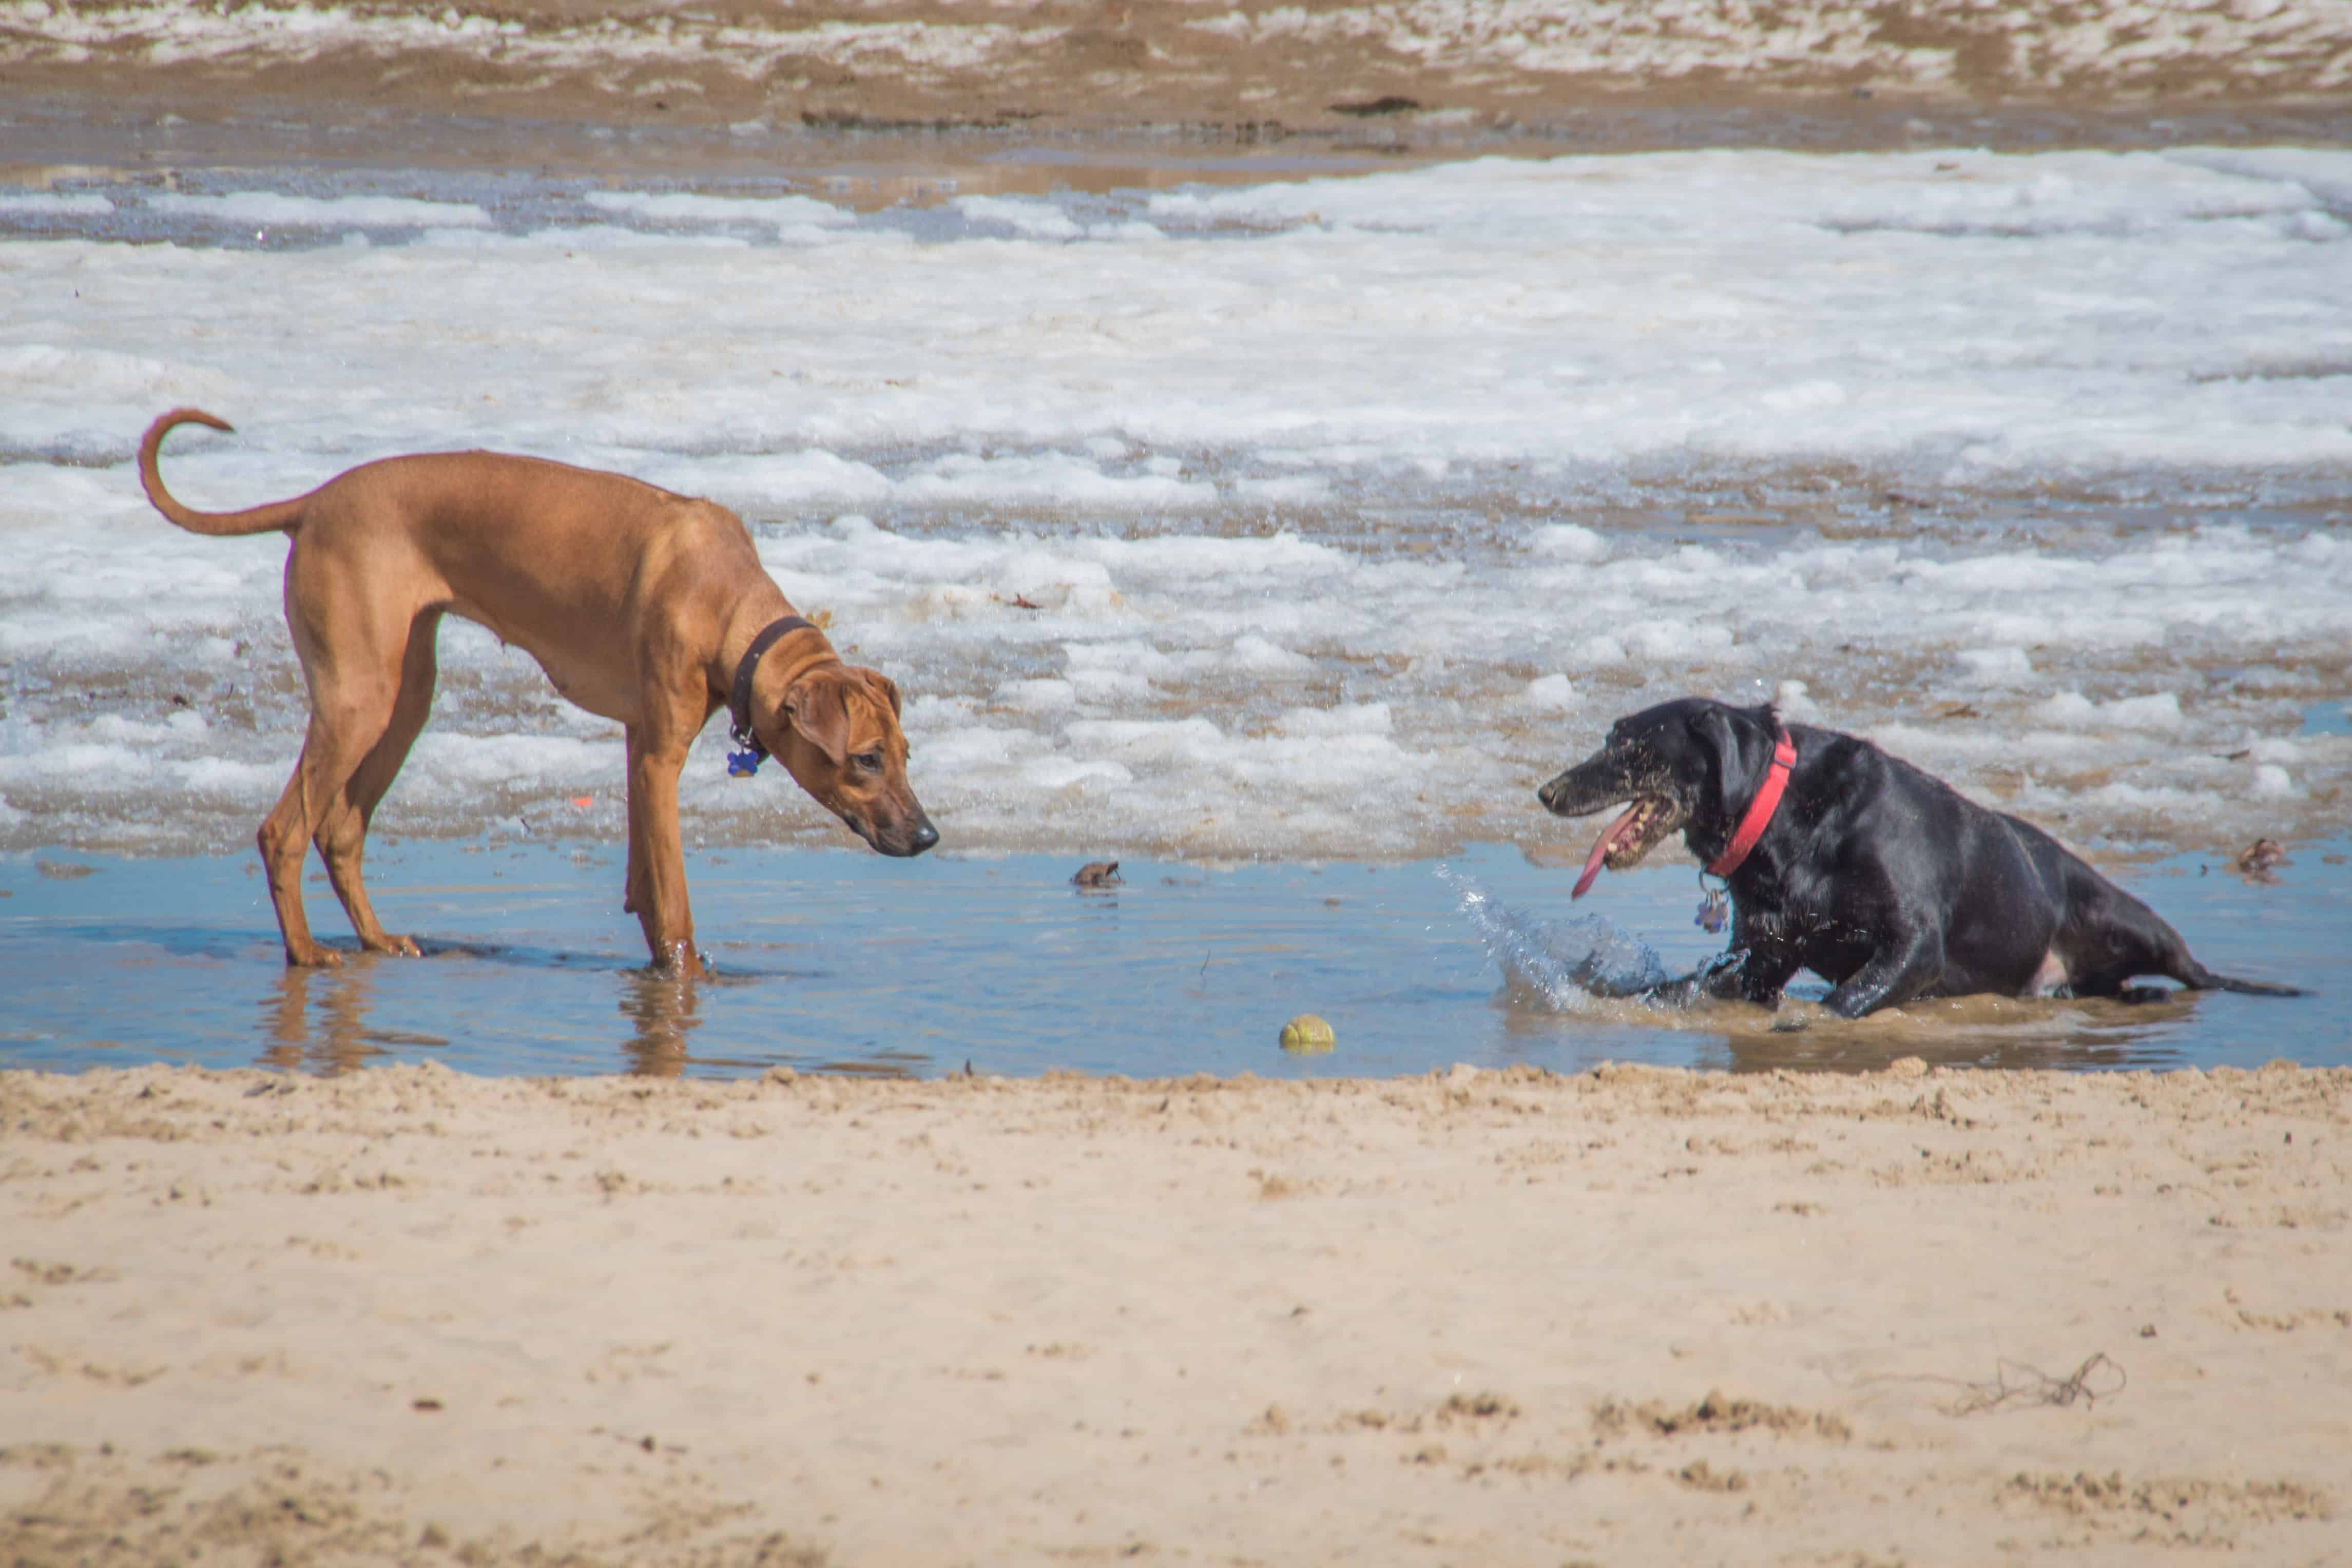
889 688
817 707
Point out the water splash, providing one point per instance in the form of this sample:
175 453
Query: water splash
1564 965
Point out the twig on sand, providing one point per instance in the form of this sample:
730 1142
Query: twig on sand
2014 1382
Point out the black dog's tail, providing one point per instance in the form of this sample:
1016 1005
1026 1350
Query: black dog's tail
2198 977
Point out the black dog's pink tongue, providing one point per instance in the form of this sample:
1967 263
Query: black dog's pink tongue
1601 848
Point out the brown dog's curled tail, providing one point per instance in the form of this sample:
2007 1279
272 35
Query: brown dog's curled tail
253 520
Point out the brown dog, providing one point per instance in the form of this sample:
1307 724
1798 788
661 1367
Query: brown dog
641 606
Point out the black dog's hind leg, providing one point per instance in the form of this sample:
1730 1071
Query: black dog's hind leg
2159 950
1900 969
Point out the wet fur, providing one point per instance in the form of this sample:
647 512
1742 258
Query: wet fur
1875 876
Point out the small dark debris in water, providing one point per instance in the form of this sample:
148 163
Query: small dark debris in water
1097 873
1371 109
1019 601
2257 858
1961 710
180 699
2235 755
64 871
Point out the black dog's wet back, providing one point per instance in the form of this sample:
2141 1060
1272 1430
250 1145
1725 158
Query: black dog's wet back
1879 878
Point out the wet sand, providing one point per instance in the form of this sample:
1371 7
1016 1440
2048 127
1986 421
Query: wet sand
891 98
1632 1315
1265 67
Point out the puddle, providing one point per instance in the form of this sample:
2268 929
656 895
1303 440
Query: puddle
850 963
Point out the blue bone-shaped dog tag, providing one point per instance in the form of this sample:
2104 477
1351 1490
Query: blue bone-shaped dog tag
742 764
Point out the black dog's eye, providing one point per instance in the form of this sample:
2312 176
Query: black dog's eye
871 761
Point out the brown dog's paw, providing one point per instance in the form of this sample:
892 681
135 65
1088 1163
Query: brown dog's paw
683 960
313 957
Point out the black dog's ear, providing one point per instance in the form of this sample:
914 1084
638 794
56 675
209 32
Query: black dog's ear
1730 733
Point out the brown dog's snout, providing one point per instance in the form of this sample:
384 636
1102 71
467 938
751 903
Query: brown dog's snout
897 839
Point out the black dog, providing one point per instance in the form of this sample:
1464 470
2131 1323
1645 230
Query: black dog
1842 860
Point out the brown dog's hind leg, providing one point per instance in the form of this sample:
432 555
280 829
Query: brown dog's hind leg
351 661
283 840
329 754
342 841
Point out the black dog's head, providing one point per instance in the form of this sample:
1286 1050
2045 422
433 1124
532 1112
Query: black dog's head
1686 766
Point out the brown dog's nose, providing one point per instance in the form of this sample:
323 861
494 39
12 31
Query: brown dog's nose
925 837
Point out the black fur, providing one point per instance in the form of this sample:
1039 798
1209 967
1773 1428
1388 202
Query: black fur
1880 879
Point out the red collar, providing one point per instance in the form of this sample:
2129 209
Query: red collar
1761 810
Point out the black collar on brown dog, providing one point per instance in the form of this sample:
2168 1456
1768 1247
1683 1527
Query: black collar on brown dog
738 701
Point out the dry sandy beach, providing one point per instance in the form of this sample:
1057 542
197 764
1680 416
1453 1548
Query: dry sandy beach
1635 1315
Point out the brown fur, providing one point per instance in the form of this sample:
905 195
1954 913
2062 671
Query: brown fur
638 604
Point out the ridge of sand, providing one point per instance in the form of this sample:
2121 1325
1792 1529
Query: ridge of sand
1501 1317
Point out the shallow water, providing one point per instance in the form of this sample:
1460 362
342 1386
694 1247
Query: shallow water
851 963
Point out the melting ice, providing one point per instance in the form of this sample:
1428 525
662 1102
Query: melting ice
1320 519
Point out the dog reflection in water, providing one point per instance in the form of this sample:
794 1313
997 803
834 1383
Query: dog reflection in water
317 1020
662 1013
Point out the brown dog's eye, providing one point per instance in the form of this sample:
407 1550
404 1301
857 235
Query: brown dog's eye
871 761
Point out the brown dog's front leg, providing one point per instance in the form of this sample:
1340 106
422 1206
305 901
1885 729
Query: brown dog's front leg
657 860
633 893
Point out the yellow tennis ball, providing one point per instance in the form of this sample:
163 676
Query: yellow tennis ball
1308 1035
